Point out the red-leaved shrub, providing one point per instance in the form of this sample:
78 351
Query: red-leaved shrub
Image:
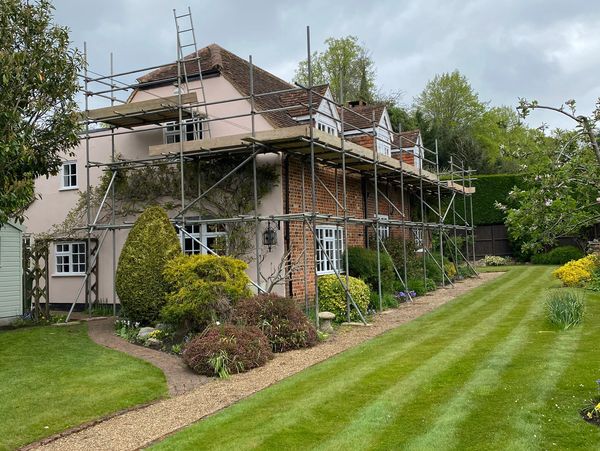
237 349
281 320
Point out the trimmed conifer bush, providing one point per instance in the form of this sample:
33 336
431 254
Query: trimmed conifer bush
227 349
202 289
140 284
280 319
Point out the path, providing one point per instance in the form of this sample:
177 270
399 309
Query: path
141 427
180 378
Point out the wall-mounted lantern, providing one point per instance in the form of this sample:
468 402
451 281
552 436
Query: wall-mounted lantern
270 236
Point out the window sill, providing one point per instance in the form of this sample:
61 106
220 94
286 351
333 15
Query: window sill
68 188
326 273
68 274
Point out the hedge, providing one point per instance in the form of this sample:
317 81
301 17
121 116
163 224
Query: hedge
490 189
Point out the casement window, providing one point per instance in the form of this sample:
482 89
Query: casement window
192 129
329 250
326 128
70 257
384 229
384 148
68 175
210 235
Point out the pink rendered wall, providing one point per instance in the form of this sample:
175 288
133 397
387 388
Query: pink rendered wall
54 204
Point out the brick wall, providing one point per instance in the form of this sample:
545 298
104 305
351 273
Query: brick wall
360 191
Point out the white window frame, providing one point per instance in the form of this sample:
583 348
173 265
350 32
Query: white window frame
384 229
331 239
326 128
72 256
384 148
192 127
70 176
204 233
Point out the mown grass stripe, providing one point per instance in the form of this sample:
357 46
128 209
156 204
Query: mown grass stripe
486 377
384 408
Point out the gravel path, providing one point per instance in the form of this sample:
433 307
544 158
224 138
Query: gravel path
180 378
138 428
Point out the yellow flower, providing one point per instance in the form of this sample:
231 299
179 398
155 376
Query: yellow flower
597 408
589 415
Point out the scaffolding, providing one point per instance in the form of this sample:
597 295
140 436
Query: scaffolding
438 194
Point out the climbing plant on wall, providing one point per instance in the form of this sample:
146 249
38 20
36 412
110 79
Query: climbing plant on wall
138 188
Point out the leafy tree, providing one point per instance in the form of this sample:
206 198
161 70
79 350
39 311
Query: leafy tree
561 194
344 62
38 83
453 108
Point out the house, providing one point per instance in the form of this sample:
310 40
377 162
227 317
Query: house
11 272
246 111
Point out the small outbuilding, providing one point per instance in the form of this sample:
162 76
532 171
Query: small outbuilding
11 272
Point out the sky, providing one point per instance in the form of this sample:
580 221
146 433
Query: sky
537 49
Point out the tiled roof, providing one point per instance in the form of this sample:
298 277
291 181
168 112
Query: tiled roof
237 71
360 117
409 138
300 99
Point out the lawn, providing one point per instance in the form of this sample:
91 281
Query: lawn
482 372
53 378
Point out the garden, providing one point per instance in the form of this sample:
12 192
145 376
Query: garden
201 307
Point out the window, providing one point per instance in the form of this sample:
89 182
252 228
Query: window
384 229
384 148
71 258
69 175
326 128
191 130
210 235
329 249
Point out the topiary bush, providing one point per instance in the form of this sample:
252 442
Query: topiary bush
227 349
558 256
140 284
362 263
332 296
280 319
202 289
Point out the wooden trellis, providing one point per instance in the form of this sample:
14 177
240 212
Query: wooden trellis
36 280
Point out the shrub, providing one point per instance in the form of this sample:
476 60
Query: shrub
565 308
432 263
465 271
362 263
202 289
389 300
140 284
577 272
284 324
420 286
227 349
558 256
395 248
332 296
494 260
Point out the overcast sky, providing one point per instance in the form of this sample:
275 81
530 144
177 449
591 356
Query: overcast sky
539 49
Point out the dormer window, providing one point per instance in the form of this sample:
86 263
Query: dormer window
384 148
192 130
326 128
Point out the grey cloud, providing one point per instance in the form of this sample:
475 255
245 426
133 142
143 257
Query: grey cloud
510 49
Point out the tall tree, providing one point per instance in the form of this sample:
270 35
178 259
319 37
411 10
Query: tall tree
345 63
38 113
452 106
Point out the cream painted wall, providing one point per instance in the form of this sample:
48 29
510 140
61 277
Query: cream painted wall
54 203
